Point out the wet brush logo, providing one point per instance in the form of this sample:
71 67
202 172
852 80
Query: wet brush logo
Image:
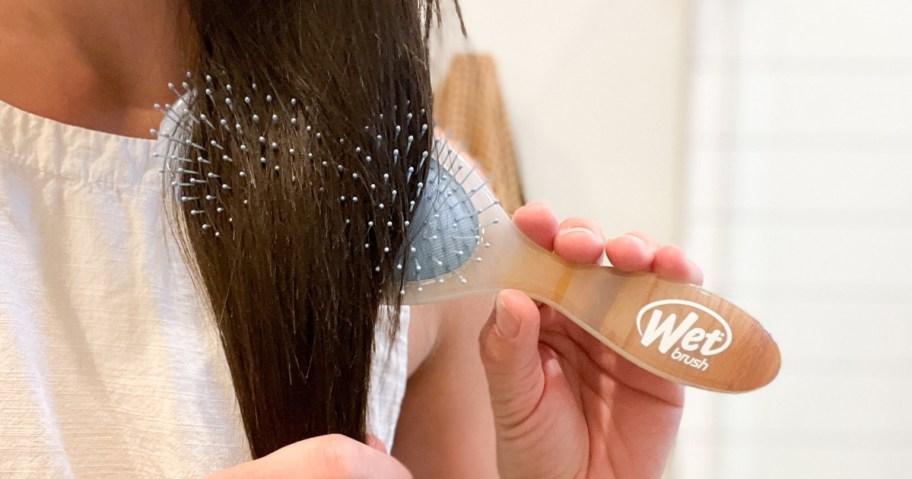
688 332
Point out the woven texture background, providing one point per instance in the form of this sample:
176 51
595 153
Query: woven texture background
469 107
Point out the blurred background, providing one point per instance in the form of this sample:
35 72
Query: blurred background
773 140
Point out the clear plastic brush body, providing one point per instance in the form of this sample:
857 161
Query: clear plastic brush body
733 355
460 242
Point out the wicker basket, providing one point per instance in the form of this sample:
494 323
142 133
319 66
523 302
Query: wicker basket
470 108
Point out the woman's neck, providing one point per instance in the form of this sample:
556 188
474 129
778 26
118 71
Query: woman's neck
98 64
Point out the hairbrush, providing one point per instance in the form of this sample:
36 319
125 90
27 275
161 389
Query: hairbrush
460 242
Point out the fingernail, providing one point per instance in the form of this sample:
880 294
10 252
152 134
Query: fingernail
578 230
375 442
637 240
506 321
550 363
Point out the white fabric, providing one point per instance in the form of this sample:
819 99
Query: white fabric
109 366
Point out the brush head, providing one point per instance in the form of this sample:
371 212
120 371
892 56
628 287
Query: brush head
445 231
430 197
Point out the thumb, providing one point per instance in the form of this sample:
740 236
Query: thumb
509 350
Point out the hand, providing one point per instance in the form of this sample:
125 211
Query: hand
325 457
565 405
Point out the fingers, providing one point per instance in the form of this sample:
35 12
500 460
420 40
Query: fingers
510 353
336 455
538 223
631 252
579 241
638 252
322 457
670 262
575 239
375 443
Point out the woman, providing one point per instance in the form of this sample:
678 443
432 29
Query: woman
111 366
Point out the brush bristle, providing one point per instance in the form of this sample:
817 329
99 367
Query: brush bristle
211 176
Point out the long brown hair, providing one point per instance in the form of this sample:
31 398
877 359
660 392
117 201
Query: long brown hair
294 266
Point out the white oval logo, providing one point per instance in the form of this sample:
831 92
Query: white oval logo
679 324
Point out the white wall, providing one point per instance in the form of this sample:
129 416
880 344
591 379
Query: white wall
801 210
799 202
595 97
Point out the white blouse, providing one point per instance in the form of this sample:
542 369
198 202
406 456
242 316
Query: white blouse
109 365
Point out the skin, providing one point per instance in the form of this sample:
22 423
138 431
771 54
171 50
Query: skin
59 61
498 387
561 404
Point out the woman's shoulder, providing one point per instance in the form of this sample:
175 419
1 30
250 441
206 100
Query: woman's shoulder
423 334
436 326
